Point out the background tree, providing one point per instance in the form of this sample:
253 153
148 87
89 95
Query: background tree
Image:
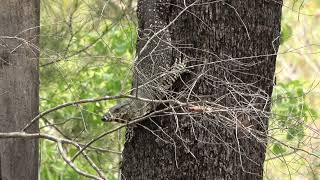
19 86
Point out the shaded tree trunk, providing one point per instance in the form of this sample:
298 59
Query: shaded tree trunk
19 84
230 47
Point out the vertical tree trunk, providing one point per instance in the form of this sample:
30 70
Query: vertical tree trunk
230 47
19 84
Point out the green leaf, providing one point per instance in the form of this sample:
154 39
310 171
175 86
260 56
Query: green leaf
296 131
278 149
100 47
300 92
286 33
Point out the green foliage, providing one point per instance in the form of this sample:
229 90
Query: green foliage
291 113
291 108
278 149
53 167
84 55
286 32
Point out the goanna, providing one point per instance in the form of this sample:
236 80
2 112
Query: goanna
154 90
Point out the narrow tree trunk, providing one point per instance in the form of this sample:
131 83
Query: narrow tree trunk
19 84
230 47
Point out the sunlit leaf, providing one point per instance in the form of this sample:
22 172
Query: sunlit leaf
286 33
278 149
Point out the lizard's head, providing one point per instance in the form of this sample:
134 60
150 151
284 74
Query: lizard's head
118 112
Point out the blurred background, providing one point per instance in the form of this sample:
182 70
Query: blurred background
87 47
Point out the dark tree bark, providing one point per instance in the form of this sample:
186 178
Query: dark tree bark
19 84
230 47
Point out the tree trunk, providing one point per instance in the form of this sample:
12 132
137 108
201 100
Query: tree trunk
230 48
19 86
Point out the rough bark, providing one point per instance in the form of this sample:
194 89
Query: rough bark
230 47
19 84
